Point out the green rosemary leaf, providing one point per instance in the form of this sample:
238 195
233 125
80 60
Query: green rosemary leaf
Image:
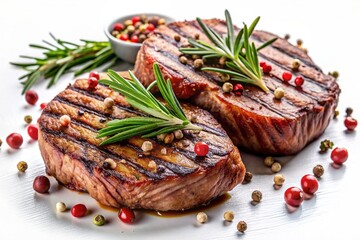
57 75
163 130
253 25
31 80
39 47
225 71
23 64
162 118
238 43
245 63
264 45
230 31
90 54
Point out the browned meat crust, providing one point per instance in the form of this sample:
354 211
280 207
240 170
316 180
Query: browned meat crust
254 121
179 181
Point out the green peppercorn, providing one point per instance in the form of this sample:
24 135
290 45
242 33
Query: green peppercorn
279 93
183 59
279 179
229 216
318 170
99 220
325 145
296 64
22 166
28 119
276 167
268 161
349 111
198 63
241 226
335 74
225 77
227 87
161 21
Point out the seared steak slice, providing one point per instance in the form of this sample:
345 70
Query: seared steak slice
172 177
254 121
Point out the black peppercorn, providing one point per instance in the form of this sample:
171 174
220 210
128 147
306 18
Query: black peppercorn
349 111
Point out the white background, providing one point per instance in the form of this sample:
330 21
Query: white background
329 30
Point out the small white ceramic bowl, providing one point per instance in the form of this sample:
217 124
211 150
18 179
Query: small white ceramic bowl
127 51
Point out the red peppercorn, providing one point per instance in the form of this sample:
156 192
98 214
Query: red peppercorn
299 80
126 215
350 123
309 184
124 37
262 64
238 89
134 39
93 82
43 105
41 184
118 27
95 75
32 130
294 196
14 140
150 27
266 68
79 210
135 19
31 97
201 149
339 155
286 76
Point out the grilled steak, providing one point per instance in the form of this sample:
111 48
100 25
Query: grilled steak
255 121
172 177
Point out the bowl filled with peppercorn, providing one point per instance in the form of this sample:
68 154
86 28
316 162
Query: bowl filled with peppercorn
127 33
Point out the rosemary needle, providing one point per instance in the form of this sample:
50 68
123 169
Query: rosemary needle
162 118
62 57
241 55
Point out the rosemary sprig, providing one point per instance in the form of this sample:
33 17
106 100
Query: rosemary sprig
241 55
161 118
62 57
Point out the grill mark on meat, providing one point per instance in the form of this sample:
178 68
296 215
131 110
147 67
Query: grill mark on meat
134 182
310 94
221 29
173 167
175 59
211 130
212 78
285 52
101 98
218 29
279 65
215 79
176 169
214 149
207 129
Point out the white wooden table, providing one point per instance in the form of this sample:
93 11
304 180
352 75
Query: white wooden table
329 30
